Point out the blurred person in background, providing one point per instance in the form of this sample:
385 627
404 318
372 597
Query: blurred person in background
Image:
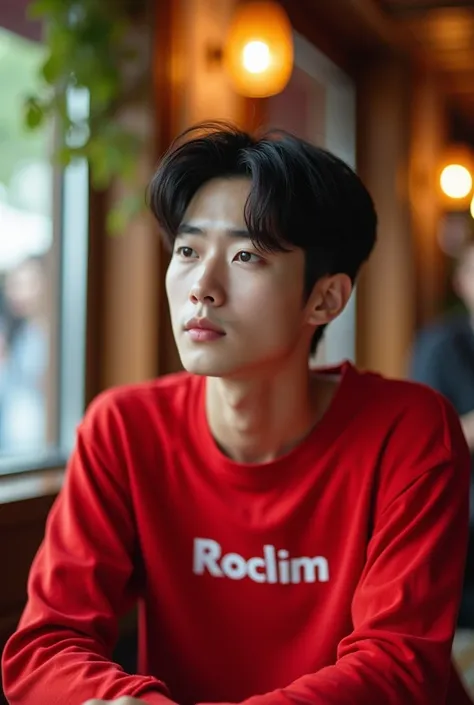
443 359
24 359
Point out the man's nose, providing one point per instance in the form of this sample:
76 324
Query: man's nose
207 289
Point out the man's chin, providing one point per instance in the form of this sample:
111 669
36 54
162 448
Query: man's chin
206 367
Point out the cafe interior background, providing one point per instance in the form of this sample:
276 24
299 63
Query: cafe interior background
93 93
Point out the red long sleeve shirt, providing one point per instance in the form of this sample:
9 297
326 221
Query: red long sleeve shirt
330 576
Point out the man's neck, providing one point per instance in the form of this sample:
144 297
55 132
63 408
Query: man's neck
258 420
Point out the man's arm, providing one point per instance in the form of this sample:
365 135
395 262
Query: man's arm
405 607
81 581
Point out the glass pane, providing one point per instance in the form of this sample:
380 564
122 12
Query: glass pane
27 314
74 224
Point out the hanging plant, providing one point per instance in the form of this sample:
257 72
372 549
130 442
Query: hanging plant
97 59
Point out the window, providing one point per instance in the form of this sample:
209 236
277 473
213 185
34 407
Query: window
43 257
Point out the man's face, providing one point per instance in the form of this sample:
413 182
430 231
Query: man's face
464 279
216 276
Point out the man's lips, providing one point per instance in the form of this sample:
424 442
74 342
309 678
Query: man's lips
203 324
202 330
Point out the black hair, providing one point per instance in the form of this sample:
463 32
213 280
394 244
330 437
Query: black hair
301 196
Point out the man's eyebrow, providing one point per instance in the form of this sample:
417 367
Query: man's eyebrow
187 229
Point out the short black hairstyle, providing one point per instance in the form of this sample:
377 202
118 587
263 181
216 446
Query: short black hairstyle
301 196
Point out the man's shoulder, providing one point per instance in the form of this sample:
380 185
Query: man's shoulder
412 410
414 432
158 389
402 394
162 399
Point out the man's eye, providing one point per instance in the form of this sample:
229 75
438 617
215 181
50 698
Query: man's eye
186 252
247 257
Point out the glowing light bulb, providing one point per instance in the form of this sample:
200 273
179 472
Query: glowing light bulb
259 50
256 57
456 181
472 207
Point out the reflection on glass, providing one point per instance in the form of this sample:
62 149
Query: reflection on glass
26 234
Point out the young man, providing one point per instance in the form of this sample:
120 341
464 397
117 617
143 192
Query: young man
291 536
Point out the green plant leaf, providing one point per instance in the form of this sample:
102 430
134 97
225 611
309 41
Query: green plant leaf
104 90
64 156
116 221
89 45
100 166
124 212
39 8
34 114
62 44
52 69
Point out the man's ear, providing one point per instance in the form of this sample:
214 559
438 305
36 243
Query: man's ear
328 299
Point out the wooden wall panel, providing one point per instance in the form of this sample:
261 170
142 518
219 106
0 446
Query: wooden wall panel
386 292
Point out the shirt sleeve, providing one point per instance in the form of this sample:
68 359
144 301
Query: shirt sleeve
405 607
83 578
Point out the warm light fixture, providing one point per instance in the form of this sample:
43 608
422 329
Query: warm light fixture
259 49
456 181
456 177
471 208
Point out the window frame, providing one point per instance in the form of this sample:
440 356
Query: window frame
67 300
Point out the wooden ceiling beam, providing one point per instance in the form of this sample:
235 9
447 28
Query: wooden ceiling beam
399 8
351 31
